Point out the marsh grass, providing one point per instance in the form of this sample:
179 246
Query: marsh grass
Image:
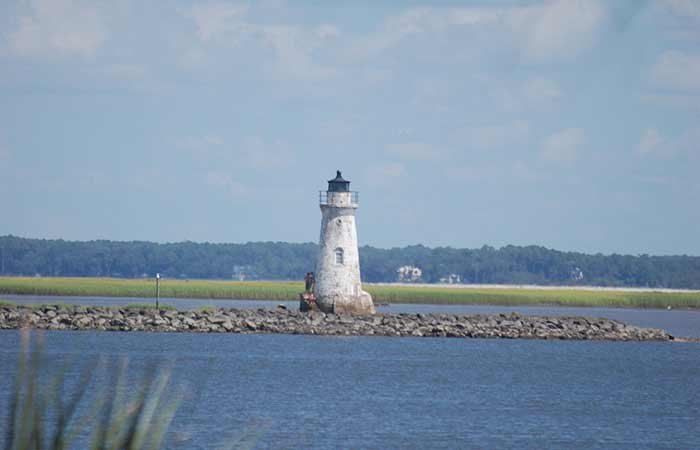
521 297
145 288
42 416
104 410
287 290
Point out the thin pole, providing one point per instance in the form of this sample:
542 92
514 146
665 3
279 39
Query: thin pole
158 291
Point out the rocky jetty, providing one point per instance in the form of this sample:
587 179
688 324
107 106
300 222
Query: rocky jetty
281 320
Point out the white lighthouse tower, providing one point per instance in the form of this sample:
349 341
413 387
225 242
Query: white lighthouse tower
338 287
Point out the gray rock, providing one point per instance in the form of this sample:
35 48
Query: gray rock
218 319
280 320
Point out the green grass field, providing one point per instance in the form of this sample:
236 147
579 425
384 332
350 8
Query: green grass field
285 290
525 296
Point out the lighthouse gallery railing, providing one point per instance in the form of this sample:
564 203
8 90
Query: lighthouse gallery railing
323 197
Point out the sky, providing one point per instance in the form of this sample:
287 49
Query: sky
572 124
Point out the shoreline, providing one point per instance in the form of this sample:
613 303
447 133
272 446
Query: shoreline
437 294
284 321
539 287
15 299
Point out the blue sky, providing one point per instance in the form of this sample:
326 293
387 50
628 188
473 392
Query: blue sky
572 124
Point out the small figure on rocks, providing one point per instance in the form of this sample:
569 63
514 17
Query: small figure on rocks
307 300
310 281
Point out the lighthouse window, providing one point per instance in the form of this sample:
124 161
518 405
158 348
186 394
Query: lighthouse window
339 256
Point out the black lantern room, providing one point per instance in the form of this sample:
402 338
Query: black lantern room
338 184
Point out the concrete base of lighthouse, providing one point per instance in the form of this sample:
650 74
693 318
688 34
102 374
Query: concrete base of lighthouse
346 304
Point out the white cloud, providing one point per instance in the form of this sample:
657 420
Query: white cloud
260 154
413 150
552 30
386 174
563 146
58 27
201 145
395 29
679 20
473 16
251 152
469 173
651 142
371 76
689 142
231 26
327 31
678 100
225 181
677 70
559 28
215 20
541 91
4 154
684 8
125 71
492 136
293 49
493 173
655 180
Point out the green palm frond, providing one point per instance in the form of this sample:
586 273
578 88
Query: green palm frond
43 416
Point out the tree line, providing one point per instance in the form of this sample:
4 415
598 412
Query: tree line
290 261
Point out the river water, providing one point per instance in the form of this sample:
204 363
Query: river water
287 391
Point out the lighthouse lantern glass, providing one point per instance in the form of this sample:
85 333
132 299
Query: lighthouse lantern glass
338 184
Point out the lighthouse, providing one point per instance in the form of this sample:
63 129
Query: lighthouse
338 287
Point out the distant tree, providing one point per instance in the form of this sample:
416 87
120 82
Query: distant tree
282 261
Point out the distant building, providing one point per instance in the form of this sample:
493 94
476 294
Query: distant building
408 274
576 274
241 273
452 278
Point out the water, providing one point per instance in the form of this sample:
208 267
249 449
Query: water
374 392
676 322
